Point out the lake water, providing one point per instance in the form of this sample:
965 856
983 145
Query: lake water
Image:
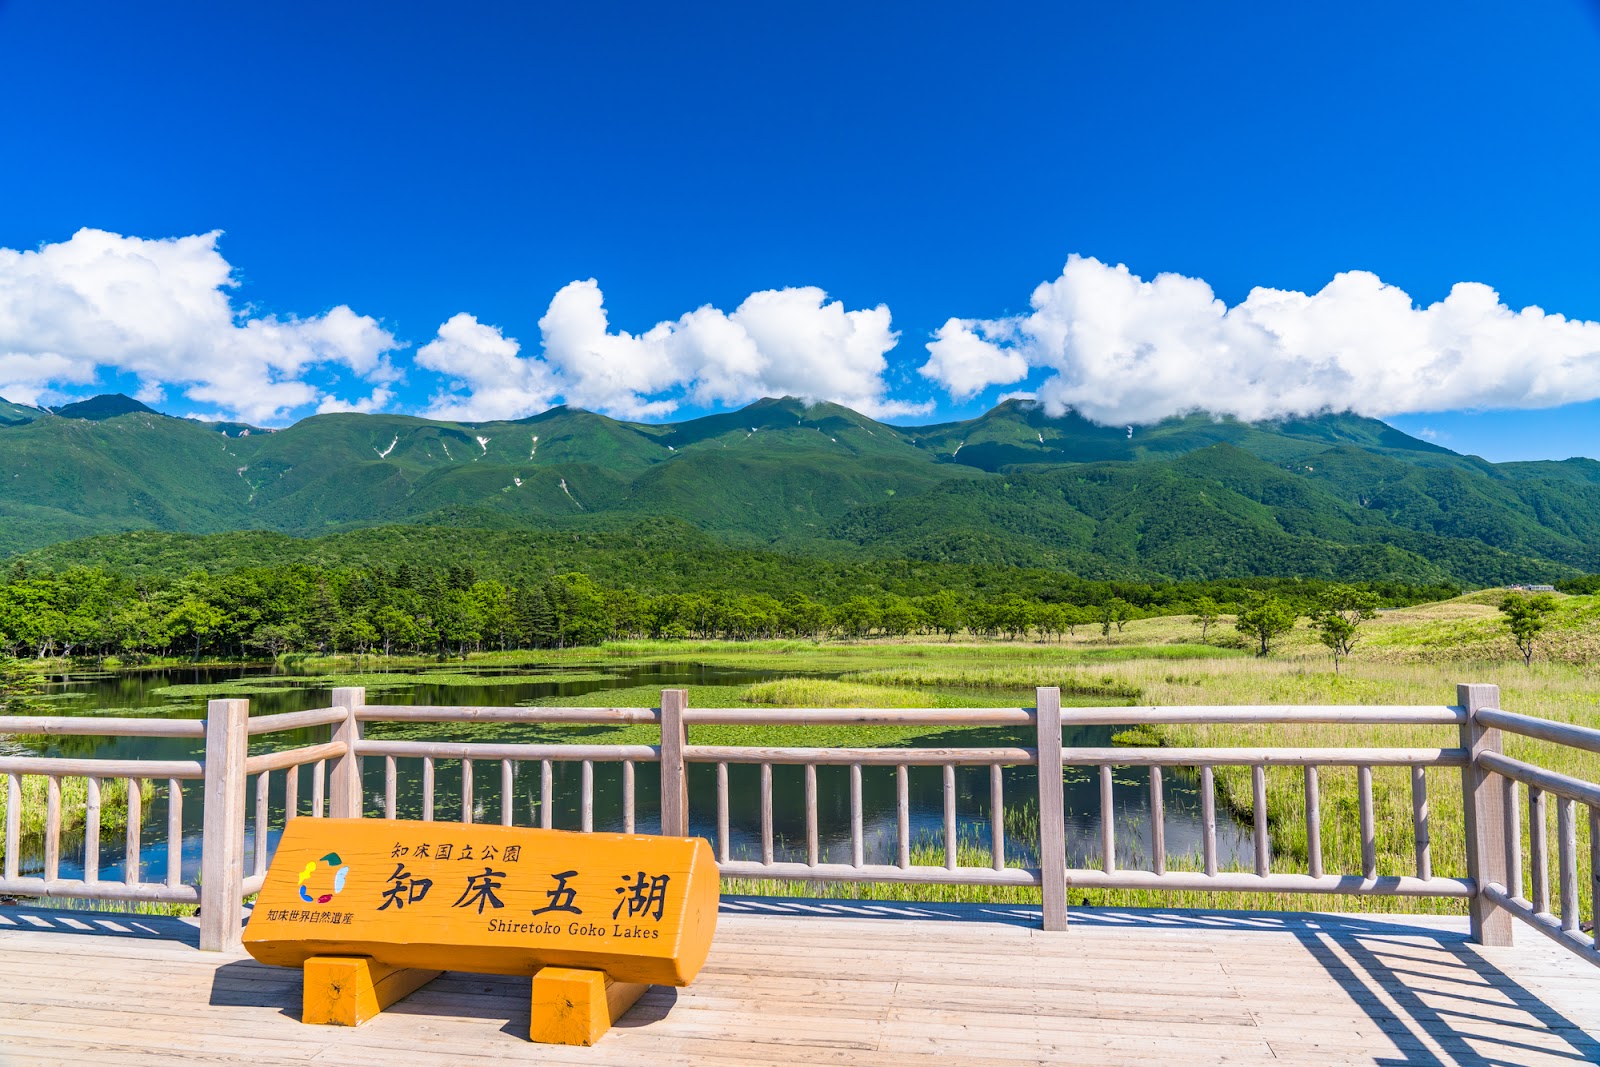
128 691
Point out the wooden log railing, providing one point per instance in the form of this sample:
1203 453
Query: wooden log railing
95 773
314 778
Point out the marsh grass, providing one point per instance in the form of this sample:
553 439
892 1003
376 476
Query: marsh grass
74 805
1554 690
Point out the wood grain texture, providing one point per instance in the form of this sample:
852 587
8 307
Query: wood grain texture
1158 823
814 984
222 838
1483 814
1313 822
344 780
674 782
1052 811
437 895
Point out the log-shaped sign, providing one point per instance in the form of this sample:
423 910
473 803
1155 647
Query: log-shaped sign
489 899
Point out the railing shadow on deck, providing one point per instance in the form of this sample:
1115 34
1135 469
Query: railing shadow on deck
1373 958
100 924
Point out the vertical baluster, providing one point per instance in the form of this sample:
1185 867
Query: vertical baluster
722 813
508 793
291 794
1208 819
997 816
52 828
627 797
586 799
1108 826
91 830
1567 860
1419 822
547 789
1158 824
1313 823
857 836
766 813
813 840
950 840
175 832
1258 800
13 822
1594 867
1369 840
466 791
262 825
902 816
390 786
1538 850
130 855
319 788
1513 835
427 788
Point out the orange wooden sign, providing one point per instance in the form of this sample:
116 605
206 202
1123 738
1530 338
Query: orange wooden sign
490 899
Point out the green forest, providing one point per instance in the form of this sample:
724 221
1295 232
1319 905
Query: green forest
267 611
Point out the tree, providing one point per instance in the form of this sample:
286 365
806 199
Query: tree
1526 617
1339 616
944 613
194 618
1114 612
1265 621
1205 615
277 637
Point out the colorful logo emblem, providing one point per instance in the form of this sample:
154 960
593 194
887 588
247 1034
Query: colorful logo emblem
332 860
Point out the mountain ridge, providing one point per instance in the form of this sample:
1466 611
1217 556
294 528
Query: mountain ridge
1189 497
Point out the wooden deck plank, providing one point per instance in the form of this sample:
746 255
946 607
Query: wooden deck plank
785 987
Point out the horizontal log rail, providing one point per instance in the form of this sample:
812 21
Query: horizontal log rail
294 757
1269 715
1265 757
877 757
1245 882
860 716
100 726
1544 922
295 720
325 778
62 767
77 889
1561 785
474 750
440 714
1558 733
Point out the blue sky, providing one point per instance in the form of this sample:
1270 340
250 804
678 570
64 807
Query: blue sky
422 164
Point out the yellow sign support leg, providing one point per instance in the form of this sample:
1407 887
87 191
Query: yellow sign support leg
575 1007
349 990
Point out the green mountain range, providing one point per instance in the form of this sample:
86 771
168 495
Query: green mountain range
1188 498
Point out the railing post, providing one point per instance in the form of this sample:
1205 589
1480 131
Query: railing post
222 840
344 777
674 782
1483 803
1052 813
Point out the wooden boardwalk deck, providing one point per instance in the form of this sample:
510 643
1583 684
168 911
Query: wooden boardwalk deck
879 984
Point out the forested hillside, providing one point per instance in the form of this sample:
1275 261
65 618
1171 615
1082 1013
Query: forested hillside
1192 498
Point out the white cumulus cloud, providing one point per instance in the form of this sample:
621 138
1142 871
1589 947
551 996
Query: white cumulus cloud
782 341
486 378
161 310
1119 349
